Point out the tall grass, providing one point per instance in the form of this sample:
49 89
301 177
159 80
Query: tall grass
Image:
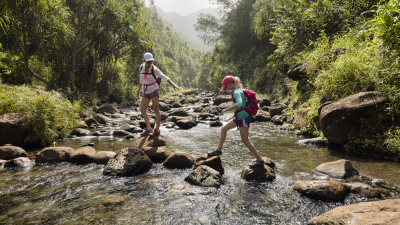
47 115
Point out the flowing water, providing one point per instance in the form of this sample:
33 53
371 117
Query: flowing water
79 194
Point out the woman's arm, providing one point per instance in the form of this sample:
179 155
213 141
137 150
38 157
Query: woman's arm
138 92
173 85
232 107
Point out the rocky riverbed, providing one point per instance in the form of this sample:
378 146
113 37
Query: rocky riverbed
81 179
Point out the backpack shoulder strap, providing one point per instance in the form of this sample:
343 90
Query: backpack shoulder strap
152 72
141 67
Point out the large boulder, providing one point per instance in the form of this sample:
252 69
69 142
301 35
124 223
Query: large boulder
83 155
322 190
337 169
258 173
20 163
186 123
350 115
213 162
102 157
54 154
179 160
155 147
298 71
128 162
205 176
8 152
108 108
11 131
222 99
386 212
89 122
264 102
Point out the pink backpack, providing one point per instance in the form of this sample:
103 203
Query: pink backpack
251 102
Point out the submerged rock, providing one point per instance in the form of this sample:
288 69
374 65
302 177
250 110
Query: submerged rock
213 162
80 132
102 157
386 212
83 155
54 154
322 190
128 162
179 160
205 176
112 200
337 169
8 152
312 141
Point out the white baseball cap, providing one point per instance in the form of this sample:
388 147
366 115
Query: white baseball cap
148 57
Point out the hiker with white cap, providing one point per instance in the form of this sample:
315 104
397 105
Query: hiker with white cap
150 79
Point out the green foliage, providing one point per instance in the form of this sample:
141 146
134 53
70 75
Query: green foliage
393 140
387 23
47 115
11 68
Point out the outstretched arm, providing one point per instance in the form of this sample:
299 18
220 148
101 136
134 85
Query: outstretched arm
138 92
173 85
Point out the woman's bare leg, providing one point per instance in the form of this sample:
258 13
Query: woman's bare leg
155 101
244 134
224 130
143 109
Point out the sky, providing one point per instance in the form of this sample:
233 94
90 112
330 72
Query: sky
182 7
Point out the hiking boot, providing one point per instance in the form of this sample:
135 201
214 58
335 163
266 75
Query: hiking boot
214 152
146 132
256 163
155 133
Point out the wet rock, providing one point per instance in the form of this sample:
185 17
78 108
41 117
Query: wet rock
120 133
108 108
386 212
216 110
134 116
261 116
204 100
222 99
204 116
259 173
322 190
117 116
213 162
205 176
179 160
265 108
193 92
342 118
183 101
176 105
130 137
90 121
89 144
198 109
186 123
194 101
163 107
54 154
337 169
8 152
142 124
101 133
210 94
20 163
102 157
3 163
216 124
225 105
313 141
112 200
363 190
180 112
101 118
128 162
276 109
11 131
83 155
164 116
130 128
80 132
156 148
264 102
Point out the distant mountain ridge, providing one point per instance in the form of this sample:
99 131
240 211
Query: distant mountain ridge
184 24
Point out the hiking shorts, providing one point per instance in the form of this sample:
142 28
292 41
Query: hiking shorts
152 94
244 122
